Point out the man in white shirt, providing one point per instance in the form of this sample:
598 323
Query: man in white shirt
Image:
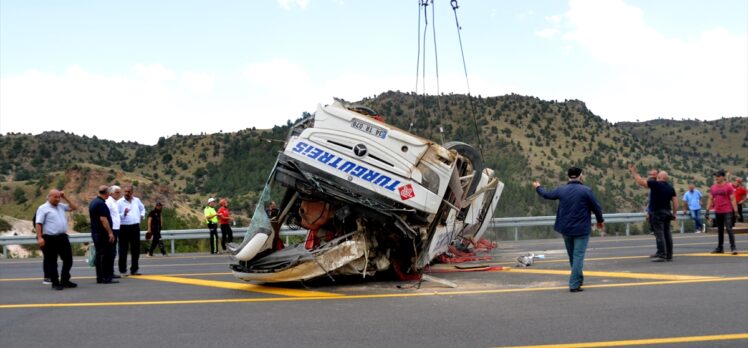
51 233
115 194
131 211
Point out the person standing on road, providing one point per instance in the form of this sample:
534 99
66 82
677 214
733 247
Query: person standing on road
740 197
102 235
722 200
661 197
115 193
211 218
51 233
155 222
651 176
132 212
573 220
224 219
692 206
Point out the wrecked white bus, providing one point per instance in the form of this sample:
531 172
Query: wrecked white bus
371 197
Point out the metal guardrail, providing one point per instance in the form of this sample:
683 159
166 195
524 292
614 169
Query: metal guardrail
170 235
510 222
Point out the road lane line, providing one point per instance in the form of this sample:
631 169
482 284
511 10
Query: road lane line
667 340
236 286
628 275
93 277
726 254
358 297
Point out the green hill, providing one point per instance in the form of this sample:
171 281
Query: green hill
523 138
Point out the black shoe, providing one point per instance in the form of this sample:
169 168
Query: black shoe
57 287
718 251
576 290
669 259
654 256
110 282
116 276
135 273
658 259
734 251
69 284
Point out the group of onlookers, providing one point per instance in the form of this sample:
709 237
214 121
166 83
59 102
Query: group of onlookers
577 201
726 200
115 223
221 218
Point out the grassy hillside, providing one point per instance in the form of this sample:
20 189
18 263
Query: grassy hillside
523 138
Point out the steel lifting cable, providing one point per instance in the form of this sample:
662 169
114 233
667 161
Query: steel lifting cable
421 4
467 81
436 64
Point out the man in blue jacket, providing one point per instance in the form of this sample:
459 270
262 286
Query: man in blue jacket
573 220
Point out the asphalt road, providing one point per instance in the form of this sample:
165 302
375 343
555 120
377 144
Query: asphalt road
193 301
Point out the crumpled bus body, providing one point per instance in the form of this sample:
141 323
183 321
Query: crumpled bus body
370 197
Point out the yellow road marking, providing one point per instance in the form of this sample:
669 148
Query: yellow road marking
355 297
92 277
726 254
237 286
654 276
667 340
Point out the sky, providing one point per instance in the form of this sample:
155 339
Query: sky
139 70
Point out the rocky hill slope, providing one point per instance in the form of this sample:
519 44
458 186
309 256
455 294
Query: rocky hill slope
524 138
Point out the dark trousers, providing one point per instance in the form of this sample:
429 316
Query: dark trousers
113 252
227 235
740 213
157 241
724 221
129 238
661 224
213 227
104 259
54 246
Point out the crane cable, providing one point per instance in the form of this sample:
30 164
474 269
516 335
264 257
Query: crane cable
421 4
467 81
422 60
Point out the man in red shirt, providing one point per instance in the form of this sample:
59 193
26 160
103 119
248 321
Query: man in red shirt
740 196
722 200
224 218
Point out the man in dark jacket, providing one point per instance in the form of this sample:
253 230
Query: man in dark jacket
103 236
573 220
664 206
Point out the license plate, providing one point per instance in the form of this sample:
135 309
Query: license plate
369 128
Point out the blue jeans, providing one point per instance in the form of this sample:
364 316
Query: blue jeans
576 247
696 218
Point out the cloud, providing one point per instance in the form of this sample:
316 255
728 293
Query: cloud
141 105
548 33
198 82
653 75
288 4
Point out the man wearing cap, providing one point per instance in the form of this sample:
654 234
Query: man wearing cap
131 212
722 200
664 205
211 218
573 220
51 233
155 222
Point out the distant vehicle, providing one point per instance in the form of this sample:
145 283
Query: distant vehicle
372 197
